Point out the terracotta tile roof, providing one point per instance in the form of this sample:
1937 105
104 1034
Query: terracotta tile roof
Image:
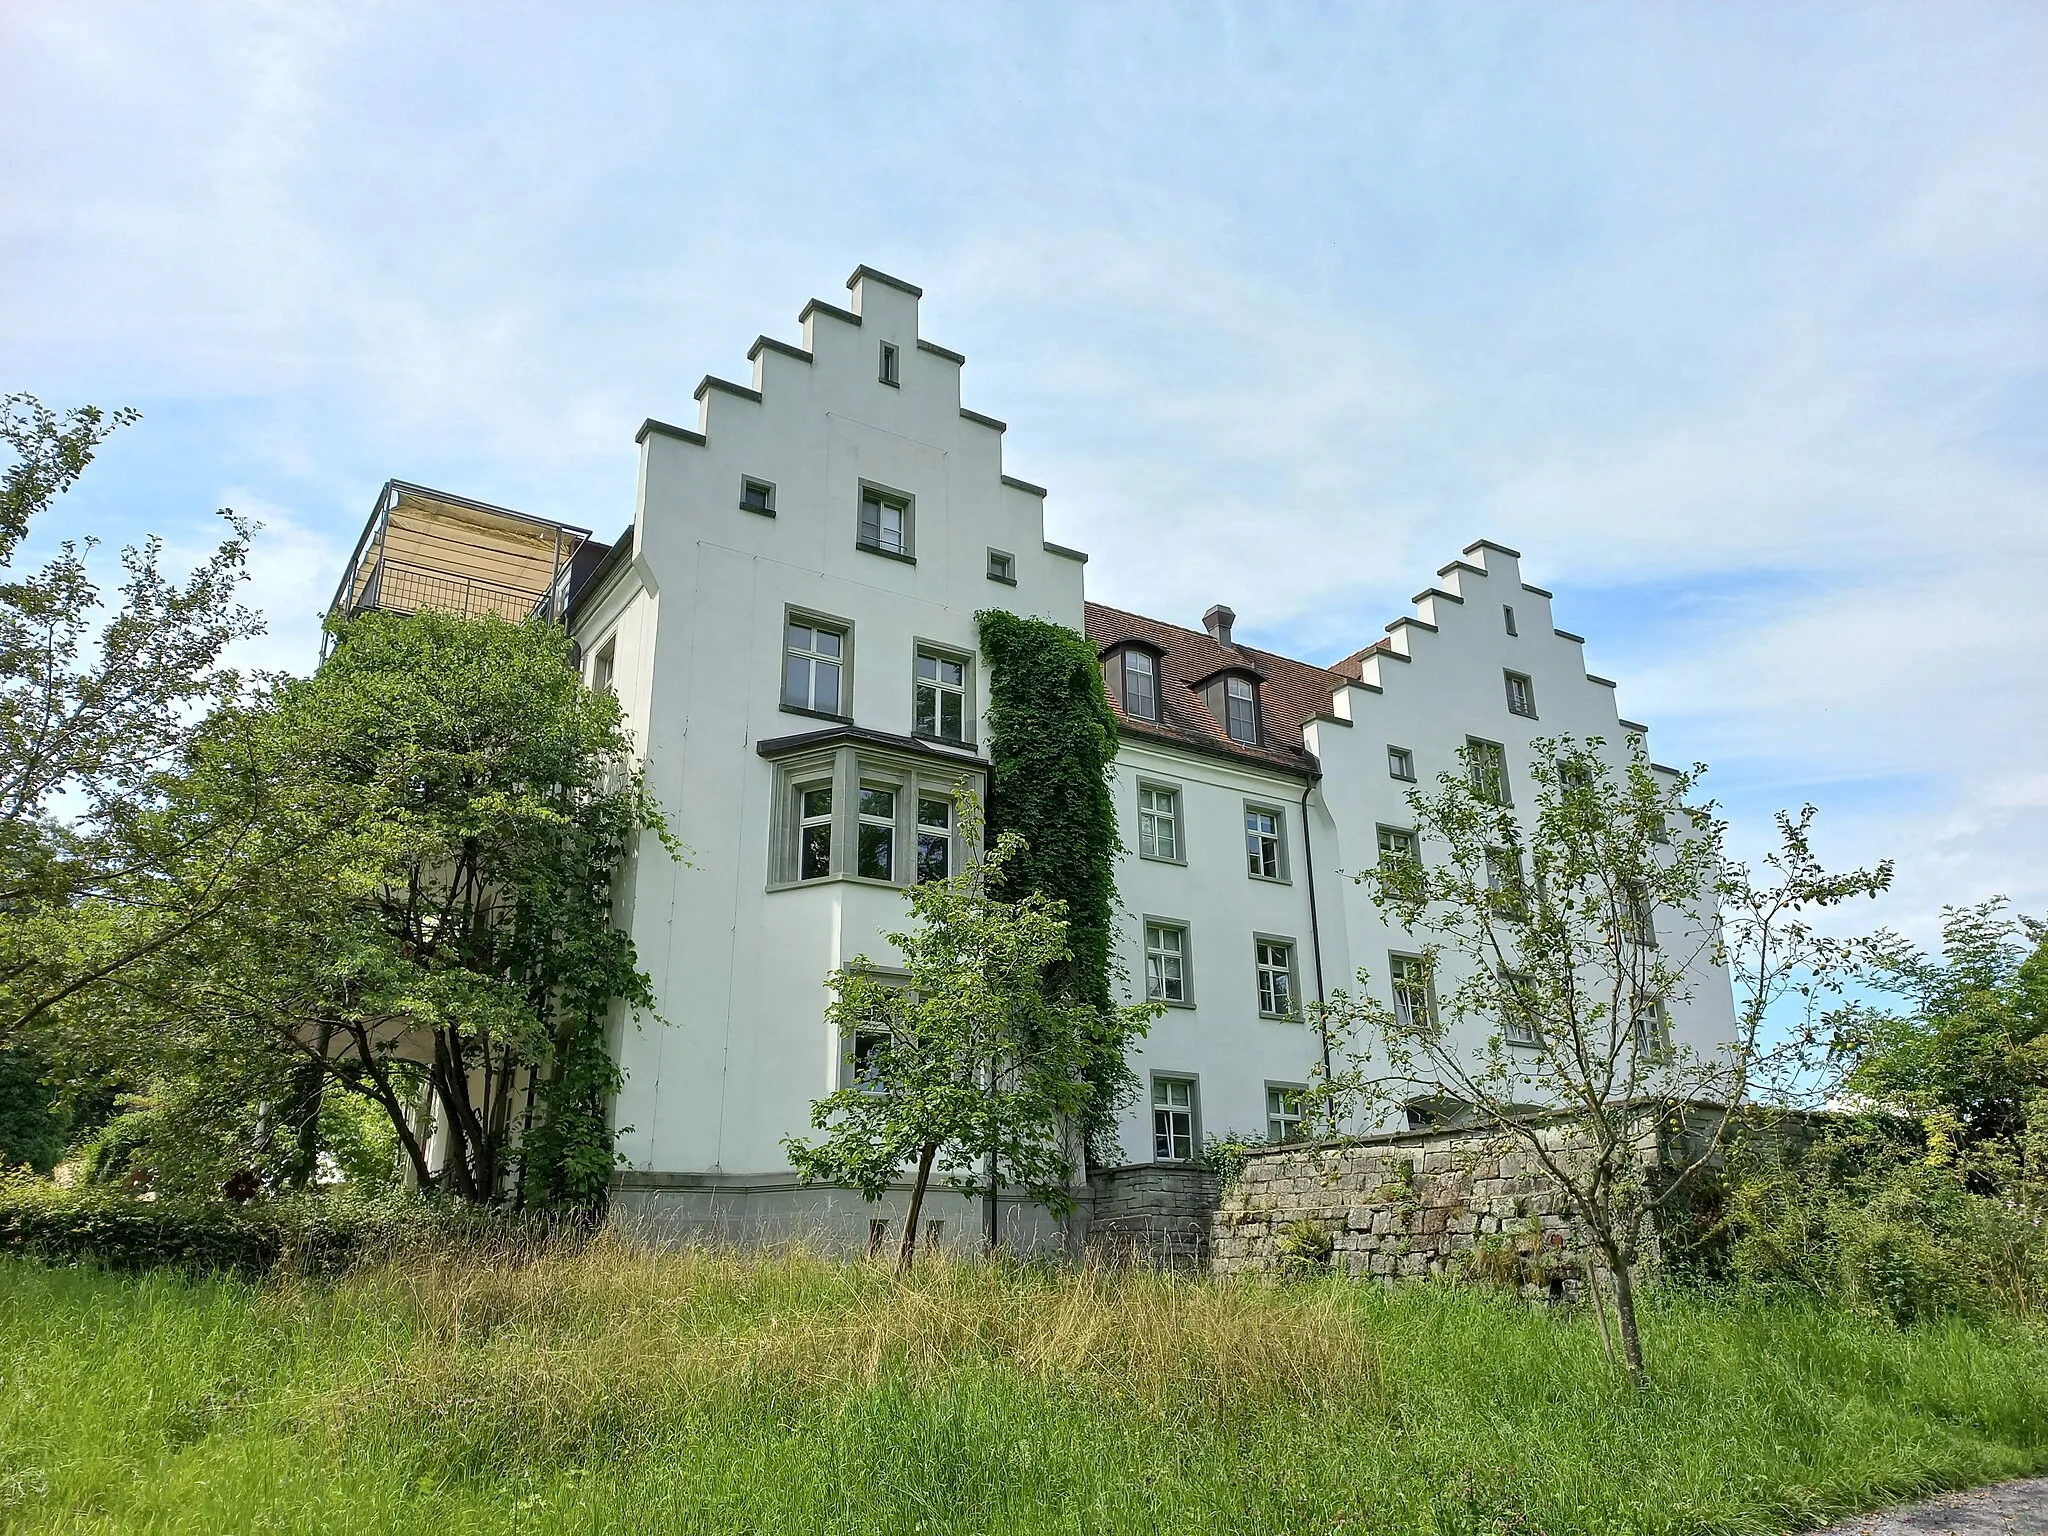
1290 692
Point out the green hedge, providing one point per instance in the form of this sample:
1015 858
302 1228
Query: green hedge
306 1234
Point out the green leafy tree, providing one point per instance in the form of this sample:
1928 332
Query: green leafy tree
973 1066
95 703
1552 942
1969 1055
435 820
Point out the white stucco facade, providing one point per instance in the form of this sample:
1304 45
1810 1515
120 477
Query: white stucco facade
846 491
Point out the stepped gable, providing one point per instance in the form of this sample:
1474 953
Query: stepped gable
1291 693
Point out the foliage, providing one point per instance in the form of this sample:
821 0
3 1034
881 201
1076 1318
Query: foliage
1305 1246
1970 1058
307 1234
94 705
1866 1217
433 822
35 1127
1558 940
972 1064
619 1390
1054 741
1226 1156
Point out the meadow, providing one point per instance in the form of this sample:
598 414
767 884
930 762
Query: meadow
615 1389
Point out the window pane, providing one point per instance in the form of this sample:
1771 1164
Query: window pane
952 673
870 520
927 666
814 859
825 678
796 683
949 716
828 642
877 852
880 803
934 856
818 802
934 813
925 718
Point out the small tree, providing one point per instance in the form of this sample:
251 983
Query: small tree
971 1066
1552 946
94 707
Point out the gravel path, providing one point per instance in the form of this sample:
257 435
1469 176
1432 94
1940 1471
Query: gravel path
2007 1509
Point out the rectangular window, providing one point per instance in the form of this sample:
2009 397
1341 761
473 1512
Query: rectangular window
1401 764
1642 916
1265 856
757 496
876 858
1486 766
1517 1016
1508 613
1396 843
1414 1006
1283 1113
1002 567
1241 711
1158 822
814 831
870 1041
885 523
1166 963
1652 1030
941 696
814 665
934 838
1507 883
888 370
1276 978
606 665
1521 695
1141 686
1173 1119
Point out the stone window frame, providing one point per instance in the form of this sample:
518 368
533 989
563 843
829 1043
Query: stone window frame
1152 1106
970 711
766 506
1296 1117
1002 566
1476 746
1521 691
1517 1030
846 766
1379 838
813 618
885 495
1397 758
1281 864
891 975
1507 613
1146 923
1296 1015
1159 786
889 367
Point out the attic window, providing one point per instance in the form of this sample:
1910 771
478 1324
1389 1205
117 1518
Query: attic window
888 374
1141 685
1240 711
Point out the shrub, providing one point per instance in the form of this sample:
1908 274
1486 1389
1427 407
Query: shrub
306 1234
1305 1247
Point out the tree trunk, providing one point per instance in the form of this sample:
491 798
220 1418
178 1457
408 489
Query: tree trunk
908 1251
1625 1318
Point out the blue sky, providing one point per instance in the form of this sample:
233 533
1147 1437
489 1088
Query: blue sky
1732 318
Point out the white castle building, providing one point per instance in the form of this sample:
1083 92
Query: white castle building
789 625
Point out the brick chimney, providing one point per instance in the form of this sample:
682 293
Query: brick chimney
1218 621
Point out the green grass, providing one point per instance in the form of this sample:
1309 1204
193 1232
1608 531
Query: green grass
622 1391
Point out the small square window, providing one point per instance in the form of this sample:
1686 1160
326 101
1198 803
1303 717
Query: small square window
1283 1113
1396 843
1508 615
1401 764
885 524
1276 978
1166 963
1521 695
1173 1119
757 496
1159 823
1002 567
888 374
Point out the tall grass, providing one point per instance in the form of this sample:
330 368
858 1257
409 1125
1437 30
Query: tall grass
614 1389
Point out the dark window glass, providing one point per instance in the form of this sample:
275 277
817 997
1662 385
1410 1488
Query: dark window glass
1141 686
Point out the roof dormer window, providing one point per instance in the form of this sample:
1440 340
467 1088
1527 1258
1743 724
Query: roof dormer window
1241 710
1141 685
